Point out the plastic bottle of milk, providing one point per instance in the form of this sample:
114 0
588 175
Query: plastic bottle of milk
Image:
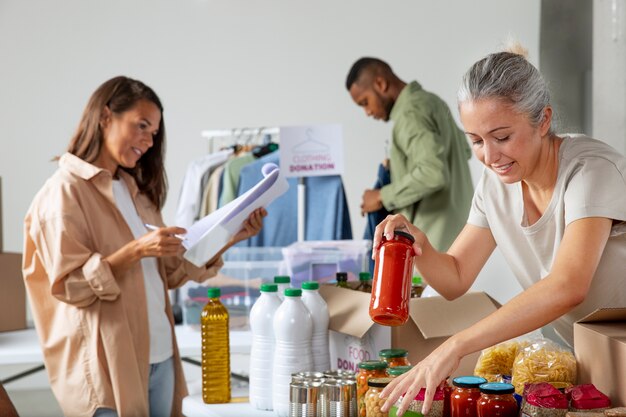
283 282
262 352
293 328
319 314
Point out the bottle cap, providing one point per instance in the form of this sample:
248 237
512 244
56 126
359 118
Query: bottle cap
341 276
371 365
398 370
282 279
468 381
404 234
269 288
393 353
365 276
213 292
310 285
378 382
293 292
417 280
497 388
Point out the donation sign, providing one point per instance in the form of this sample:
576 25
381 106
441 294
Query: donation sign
307 151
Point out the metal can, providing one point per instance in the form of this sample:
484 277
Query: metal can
304 398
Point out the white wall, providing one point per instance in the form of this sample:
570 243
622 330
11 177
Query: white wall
234 63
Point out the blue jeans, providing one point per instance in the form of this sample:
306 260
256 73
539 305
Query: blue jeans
160 391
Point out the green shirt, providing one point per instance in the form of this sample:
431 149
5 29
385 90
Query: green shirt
430 178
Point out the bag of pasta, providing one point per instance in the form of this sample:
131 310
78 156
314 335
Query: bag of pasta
544 361
497 361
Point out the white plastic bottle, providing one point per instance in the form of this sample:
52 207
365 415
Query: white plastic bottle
263 343
283 282
293 328
319 314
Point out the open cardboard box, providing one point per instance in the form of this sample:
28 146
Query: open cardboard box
354 337
600 349
12 293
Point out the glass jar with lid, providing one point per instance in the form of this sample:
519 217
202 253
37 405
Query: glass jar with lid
373 402
395 357
398 370
391 289
496 400
365 282
367 370
465 396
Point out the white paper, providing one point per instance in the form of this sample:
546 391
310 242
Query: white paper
208 235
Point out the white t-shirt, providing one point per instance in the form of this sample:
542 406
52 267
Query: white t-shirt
591 182
159 325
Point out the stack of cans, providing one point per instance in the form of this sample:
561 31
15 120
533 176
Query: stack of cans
327 394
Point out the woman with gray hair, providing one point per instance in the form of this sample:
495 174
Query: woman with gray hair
555 205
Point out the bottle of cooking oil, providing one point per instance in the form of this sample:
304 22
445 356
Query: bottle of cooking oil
215 350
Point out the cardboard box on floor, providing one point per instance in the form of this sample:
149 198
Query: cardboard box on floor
600 350
354 337
13 294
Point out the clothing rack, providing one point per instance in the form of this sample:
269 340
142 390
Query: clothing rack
222 138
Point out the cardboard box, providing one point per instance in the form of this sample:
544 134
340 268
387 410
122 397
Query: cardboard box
600 350
13 293
354 337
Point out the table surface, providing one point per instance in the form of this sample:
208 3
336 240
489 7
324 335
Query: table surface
22 346
193 406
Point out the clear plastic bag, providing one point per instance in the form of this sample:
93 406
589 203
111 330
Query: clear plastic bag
544 361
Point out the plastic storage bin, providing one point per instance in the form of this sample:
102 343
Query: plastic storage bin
320 260
240 279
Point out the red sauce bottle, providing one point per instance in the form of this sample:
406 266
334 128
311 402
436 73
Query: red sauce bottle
391 289
496 400
465 396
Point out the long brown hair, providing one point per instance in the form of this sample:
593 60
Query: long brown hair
120 94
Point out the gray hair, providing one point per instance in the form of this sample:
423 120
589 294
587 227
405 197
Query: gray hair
508 76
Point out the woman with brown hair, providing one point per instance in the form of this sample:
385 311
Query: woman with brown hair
97 279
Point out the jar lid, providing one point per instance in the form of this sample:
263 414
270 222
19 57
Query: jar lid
393 353
372 365
398 370
341 276
497 388
417 280
282 279
213 292
269 288
310 285
378 382
293 292
365 276
468 381
404 234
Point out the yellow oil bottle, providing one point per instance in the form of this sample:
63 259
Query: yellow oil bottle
215 350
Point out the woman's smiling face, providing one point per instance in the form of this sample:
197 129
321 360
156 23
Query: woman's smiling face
503 139
128 135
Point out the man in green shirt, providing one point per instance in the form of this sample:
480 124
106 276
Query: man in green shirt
428 157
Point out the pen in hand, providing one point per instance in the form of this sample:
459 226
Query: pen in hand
153 227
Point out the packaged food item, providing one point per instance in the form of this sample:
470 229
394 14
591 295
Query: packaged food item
367 370
497 361
365 282
398 370
215 350
496 400
373 402
415 408
342 279
391 289
543 361
395 357
465 396
587 397
417 287
543 400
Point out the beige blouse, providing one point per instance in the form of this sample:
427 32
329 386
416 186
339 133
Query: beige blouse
92 325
